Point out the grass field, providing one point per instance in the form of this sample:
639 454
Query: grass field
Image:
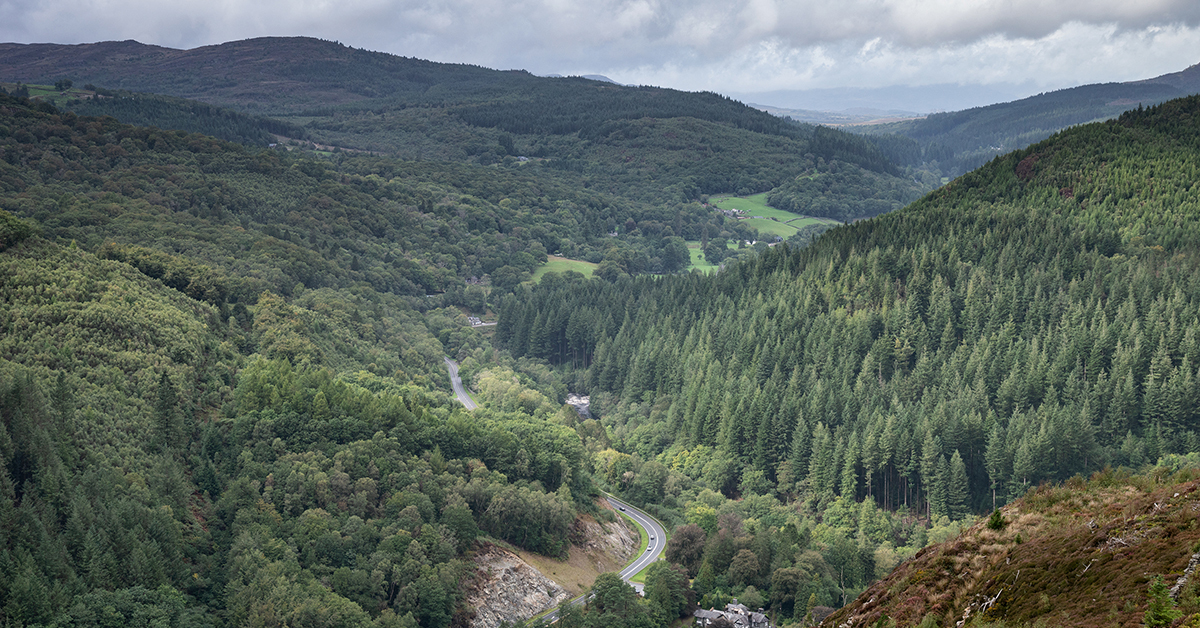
698 261
768 227
556 264
784 224
48 93
752 205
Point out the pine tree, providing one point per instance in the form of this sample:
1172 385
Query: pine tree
996 459
957 490
930 451
821 473
939 491
1162 611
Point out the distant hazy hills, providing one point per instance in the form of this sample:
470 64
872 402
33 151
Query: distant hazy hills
962 140
278 73
357 98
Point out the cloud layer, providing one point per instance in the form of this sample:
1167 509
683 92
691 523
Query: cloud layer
747 46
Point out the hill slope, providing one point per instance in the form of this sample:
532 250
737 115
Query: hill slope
1032 320
1080 554
187 441
963 140
651 144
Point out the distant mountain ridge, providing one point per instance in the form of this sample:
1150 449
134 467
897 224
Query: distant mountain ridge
1187 80
649 143
959 141
230 73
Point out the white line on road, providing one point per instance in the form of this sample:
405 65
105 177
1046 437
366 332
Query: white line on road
456 383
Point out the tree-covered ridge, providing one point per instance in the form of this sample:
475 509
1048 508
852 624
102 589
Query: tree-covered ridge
213 414
833 190
1035 319
151 468
268 220
166 112
249 518
648 144
959 141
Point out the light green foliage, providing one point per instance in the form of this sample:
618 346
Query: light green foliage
563 265
224 425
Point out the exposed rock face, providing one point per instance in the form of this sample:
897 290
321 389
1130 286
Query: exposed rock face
508 589
618 540
581 403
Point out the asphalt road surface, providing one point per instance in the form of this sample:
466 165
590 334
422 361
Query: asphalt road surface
656 545
653 550
456 382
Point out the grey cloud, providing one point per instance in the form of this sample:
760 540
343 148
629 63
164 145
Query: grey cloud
692 44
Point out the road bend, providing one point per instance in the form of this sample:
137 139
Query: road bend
654 549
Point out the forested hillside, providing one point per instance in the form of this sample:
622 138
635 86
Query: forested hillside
166 112
222 397
958 141
223 400
648 144
1035 319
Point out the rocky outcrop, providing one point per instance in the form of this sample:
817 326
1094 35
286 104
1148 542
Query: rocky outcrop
509 587
617 541
506 588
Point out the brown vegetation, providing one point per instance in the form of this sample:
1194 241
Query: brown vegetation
1077 554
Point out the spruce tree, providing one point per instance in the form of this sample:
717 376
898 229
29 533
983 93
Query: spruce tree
956 488
1162 611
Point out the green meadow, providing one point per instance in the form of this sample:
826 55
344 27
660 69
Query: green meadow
767 227
556 264
768 220
697 255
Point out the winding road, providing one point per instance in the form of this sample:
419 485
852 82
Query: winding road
654 530
658 540
456 382
653 551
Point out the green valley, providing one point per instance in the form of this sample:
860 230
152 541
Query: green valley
1030 322
224 396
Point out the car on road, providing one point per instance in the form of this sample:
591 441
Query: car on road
622 508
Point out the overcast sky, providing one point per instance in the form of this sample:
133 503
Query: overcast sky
1013 47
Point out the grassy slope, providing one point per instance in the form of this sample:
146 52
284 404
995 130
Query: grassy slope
1079 554
556 264
698 261
767 219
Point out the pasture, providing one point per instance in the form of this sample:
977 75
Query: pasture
769 221
556 264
